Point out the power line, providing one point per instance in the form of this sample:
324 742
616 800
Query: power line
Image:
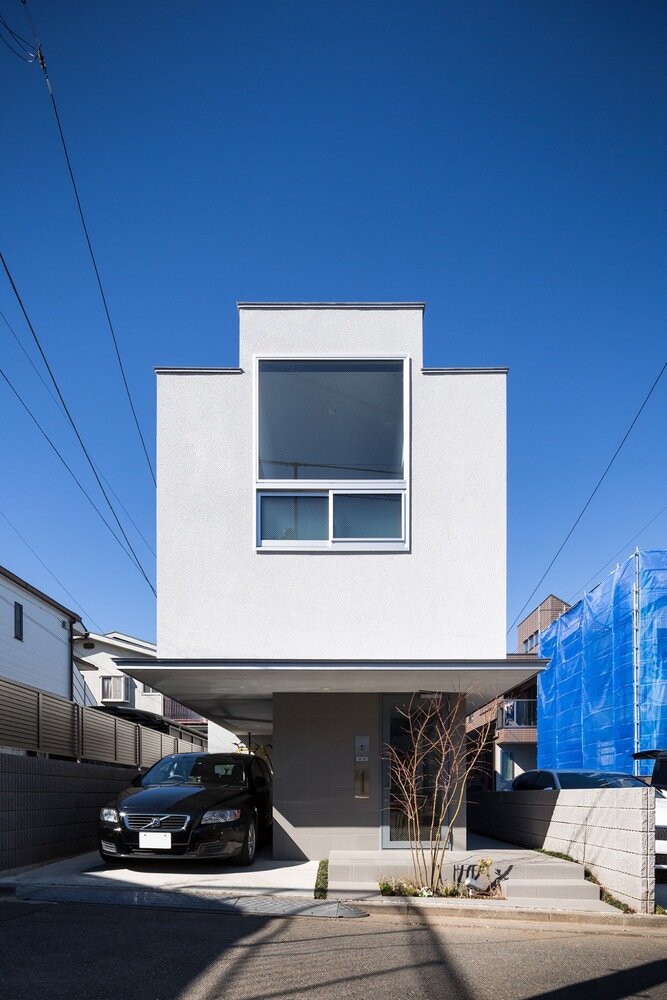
50 572
60 410
42 63
586 505
622 549
78 482
72 423
24 50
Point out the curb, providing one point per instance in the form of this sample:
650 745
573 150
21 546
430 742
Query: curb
431 911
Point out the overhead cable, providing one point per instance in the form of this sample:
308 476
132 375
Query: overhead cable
623 548
131 555
50 572
72 422
42 62
587 504
23 49
60 410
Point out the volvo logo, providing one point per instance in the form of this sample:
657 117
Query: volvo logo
154 822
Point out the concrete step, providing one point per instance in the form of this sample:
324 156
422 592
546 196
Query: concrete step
347 867
557 870
550 889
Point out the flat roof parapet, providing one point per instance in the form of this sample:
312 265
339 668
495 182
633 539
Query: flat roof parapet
331 305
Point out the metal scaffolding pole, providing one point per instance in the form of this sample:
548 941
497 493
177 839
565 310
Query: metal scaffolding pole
635 658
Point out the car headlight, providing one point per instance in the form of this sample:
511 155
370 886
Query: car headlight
221 815
109 815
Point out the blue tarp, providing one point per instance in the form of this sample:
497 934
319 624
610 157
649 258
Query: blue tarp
586 695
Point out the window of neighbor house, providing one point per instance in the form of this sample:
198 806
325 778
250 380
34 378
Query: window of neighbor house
115 688
18 621
331 454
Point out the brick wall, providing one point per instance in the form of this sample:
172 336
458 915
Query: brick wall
49 808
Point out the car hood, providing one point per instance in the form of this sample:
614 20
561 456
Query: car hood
177 798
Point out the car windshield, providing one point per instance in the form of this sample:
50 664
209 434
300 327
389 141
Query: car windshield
196 769
598 779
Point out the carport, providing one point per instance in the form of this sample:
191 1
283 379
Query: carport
328 722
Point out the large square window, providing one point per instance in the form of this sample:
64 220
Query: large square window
330 420
331 454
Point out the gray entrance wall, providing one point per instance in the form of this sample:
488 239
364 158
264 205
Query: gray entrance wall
315 809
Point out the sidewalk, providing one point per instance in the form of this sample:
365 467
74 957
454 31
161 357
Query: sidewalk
284 888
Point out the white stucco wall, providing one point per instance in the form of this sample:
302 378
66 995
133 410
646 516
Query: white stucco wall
43 658
219 597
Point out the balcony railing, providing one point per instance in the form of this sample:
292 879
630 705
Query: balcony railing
173 710
517 713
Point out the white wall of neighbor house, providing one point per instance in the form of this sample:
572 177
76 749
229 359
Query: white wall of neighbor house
42 658
220 597
101 657
522 757
221 740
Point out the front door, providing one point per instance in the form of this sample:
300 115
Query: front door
395 734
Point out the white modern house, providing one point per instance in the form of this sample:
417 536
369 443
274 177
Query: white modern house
36 636
331 541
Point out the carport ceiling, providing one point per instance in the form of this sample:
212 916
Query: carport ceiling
238 694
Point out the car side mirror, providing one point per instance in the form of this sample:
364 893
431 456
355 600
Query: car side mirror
136 780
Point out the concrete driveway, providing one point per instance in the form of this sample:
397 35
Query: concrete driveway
266 877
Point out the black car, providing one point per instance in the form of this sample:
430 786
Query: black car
191 805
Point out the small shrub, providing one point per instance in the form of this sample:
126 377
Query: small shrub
390 886
322 880
450 889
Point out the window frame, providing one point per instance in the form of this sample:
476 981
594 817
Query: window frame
18 621
125 688
331 487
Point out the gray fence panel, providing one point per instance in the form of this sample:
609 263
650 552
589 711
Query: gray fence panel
40 721
99 735
151 747
126 742
19 725
58 726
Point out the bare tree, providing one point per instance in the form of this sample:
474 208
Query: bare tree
429 772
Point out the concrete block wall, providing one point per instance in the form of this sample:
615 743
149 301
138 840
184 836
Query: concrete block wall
50 807
609 830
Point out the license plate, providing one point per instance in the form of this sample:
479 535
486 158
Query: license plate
153 839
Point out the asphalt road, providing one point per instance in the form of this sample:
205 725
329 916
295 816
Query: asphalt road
53 951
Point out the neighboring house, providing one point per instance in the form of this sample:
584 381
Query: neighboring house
603 696
530 629
331 521
36 637
512 740
109 686
511 745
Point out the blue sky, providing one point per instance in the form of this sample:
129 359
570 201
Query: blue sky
504 162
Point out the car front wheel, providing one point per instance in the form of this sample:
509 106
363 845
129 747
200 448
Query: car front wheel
247 855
